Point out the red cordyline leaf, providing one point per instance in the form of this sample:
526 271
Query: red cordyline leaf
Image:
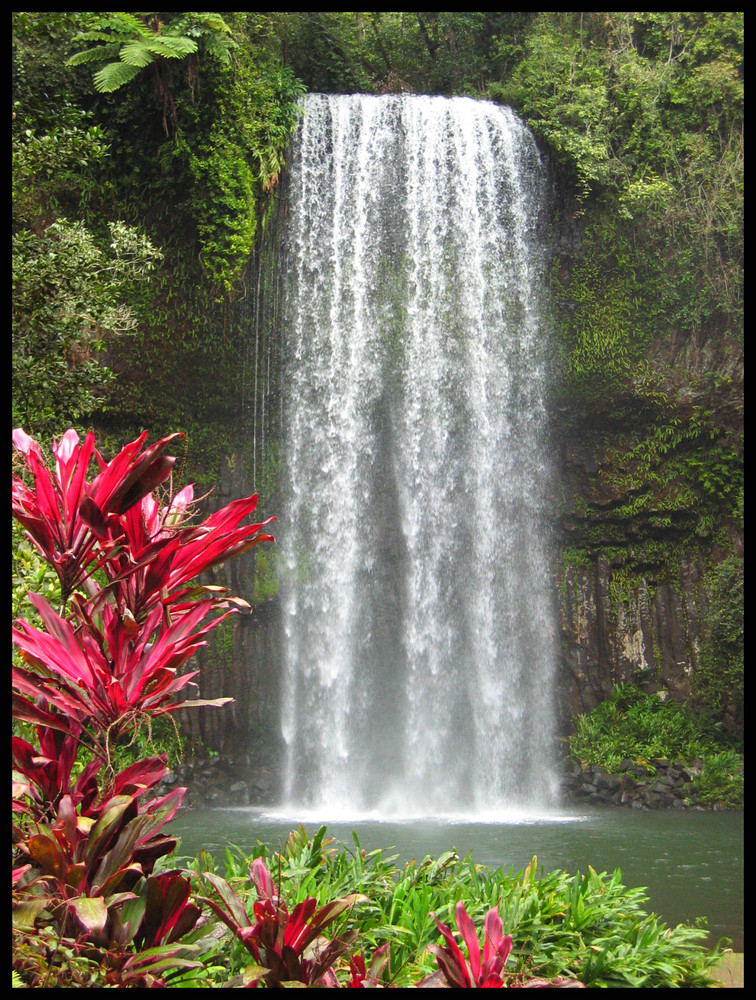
168 913
74 670
361 976
278 940
63 515
488 972
123 481
263 881
158 556
456 971
49 769
497 947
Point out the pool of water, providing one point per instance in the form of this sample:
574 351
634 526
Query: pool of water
691 863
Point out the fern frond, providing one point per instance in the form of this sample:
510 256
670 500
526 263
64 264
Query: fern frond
136 54
114 75
170 47
220 48
97 54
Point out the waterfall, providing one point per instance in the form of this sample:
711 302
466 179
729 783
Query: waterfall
417 603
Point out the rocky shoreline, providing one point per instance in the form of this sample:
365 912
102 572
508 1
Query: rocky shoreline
218 782
664 784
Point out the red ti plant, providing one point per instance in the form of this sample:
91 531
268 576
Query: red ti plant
88 877
363 977
115 657
480 971
147 551
287 947
131 615
487 971
64 514
97 674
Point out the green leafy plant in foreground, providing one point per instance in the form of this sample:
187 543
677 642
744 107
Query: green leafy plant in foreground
583 928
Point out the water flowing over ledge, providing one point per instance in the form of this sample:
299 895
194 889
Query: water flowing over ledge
420 633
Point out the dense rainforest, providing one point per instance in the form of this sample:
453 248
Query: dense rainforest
149 164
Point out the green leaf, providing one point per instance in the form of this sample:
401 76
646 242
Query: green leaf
97 54
45 852
106 826
25 914
252 973
91 911
114 75
170 47
136 54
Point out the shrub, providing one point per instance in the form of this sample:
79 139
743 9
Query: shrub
561 930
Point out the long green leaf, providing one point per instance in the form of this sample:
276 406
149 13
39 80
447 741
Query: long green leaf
91 911
96 54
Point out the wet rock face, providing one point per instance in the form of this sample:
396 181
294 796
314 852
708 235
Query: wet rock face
639 535
649 635
648 467
220 782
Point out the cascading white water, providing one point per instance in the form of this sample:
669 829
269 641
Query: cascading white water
419 626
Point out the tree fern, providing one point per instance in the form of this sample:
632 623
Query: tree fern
128 44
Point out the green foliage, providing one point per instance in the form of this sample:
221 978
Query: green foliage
68 297
266 576
30 572
46 960
136 41
645 111
641 727
562 90
241 157
230 108
72 285
445 52
150 738
719 681
609 323
638 726
587 927
672 470
721 782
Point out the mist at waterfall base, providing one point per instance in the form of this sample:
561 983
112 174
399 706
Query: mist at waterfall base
420 634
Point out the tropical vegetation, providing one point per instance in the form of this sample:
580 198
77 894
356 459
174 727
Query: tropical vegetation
92 673
632 725
94 903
